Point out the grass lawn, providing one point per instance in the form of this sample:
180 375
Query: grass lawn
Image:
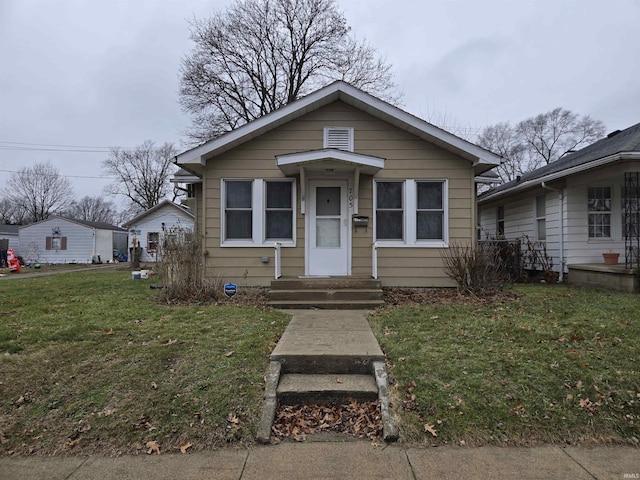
91 363
559 364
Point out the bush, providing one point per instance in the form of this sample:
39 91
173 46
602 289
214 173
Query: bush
478 270
182 270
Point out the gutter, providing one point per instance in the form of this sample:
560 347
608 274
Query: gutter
561 240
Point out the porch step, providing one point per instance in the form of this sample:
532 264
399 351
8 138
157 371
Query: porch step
326 293
295 388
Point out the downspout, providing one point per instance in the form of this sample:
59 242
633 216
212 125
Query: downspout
561 242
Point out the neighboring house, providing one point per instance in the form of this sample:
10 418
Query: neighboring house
338 183
582 205
149 228
9 234
64 240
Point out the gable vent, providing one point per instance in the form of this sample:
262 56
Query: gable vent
338 137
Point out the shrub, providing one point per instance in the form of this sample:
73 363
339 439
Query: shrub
478 270
182 270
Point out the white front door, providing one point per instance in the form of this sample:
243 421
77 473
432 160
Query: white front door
328 229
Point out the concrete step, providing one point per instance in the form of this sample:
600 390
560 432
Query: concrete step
325 283
326 294
309 388
342 364
327 304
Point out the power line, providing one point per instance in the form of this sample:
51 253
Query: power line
62 175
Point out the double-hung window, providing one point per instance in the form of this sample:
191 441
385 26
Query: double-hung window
599 210
500 222
258 212
541 218
411 213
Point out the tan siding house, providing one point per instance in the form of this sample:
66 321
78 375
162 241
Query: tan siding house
338 183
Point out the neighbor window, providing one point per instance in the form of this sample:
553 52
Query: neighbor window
258 211
56 243
152 241
599 208
541 218
500 221
411 212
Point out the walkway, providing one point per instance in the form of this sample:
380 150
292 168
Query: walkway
341 460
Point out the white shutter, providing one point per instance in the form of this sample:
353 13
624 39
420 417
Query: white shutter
338 137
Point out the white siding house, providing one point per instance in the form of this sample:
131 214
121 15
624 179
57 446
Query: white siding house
63 240
148 228
577 205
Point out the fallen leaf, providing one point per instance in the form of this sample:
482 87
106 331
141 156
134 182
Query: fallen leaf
153 447
339 380
154 385
232 418
585 402
569 397
431 429
109 331
170 341
579 385
185 446
229 353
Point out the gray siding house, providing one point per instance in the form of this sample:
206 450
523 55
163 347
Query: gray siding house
64 240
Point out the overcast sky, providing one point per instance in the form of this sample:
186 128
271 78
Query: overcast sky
79 76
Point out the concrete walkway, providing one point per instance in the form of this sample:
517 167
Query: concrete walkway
341 460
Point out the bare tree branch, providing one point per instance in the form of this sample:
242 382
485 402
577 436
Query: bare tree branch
259 55
37 192
142 174
92 209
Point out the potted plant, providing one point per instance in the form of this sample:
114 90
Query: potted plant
610 258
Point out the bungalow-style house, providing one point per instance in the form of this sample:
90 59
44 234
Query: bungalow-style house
65 240
335 184
581 206
149 228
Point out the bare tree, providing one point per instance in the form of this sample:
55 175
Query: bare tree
259 55
502 139
539 140
10 213
37 192
551 135
92 209
142 173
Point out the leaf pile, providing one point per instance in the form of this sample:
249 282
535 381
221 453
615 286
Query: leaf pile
400 297
359 419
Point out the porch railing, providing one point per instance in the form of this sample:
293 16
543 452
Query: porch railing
278 247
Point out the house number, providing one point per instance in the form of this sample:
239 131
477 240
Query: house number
350 196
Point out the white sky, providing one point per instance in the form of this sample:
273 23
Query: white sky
89 73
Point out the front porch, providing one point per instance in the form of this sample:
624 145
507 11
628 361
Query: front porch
612 277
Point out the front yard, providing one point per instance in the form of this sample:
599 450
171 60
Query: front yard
559 364
90 362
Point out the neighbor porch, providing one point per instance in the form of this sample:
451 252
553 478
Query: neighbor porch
612 277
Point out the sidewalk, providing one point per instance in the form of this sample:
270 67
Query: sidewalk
341 460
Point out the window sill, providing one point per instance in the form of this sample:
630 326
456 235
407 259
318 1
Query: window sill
250 244
392 244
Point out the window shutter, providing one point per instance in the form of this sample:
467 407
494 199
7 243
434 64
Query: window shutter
63 243
48 243
339 137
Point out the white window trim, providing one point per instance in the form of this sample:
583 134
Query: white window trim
591 239
410 201
259 216
541 217
349 131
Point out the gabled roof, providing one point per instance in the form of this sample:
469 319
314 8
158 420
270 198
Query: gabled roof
86 223
162 204
618 145
193 160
